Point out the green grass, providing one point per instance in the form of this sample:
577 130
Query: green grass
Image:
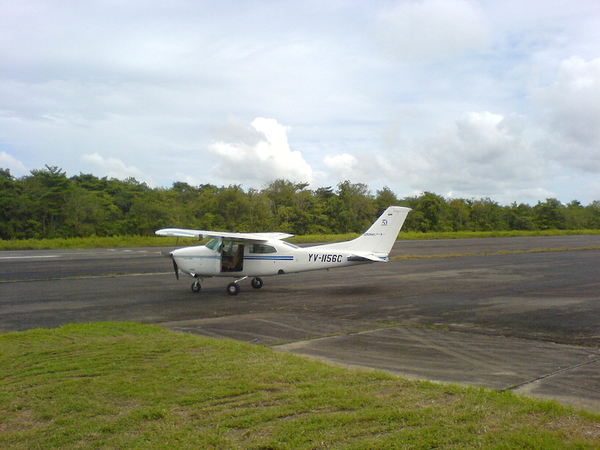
154 241
94 242
125 385
500 252
492 234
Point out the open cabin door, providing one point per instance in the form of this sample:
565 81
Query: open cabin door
232 257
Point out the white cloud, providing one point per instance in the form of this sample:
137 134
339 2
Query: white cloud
488 98
257 153
432 29
342 167
184 178
571 112
10 162
112 167
484 151
361 167
479 154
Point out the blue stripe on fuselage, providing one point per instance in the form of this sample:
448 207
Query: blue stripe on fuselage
268 258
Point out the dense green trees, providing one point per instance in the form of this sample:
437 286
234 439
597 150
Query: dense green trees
47 204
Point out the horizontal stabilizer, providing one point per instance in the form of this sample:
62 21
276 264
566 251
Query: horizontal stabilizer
368 258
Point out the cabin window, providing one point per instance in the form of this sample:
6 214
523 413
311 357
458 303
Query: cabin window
262 248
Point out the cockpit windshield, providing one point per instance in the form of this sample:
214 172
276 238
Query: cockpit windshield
214 244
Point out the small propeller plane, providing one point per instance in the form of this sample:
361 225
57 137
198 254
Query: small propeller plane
243 255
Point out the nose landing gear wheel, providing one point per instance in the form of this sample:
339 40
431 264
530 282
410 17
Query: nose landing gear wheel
233 289
256 283
196 286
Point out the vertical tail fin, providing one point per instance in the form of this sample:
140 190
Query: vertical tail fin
380 237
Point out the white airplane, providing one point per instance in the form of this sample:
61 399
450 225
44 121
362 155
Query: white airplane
243 255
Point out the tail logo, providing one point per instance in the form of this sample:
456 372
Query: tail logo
384 223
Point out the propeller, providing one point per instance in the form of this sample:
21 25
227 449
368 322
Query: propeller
175 267
170 255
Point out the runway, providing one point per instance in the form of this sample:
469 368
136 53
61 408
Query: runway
484 312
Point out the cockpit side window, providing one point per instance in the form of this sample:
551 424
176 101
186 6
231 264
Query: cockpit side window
262 248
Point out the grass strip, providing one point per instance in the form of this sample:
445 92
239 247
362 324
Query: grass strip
126 385
155 241
499 252
492 234
93 242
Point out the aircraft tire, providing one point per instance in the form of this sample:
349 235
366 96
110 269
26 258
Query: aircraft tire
256 283
233 289
196 286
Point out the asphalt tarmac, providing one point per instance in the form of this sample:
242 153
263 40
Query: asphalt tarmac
520 314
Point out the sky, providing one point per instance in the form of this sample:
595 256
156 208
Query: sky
464 98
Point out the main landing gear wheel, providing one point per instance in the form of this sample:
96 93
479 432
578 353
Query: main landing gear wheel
233 289
256 283
196 286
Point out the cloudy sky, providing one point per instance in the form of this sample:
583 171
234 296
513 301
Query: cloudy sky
465 98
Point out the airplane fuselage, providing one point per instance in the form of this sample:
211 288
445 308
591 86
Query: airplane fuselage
255 260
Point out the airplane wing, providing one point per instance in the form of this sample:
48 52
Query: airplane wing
201 234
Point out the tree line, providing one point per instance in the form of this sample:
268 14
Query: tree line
48 204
